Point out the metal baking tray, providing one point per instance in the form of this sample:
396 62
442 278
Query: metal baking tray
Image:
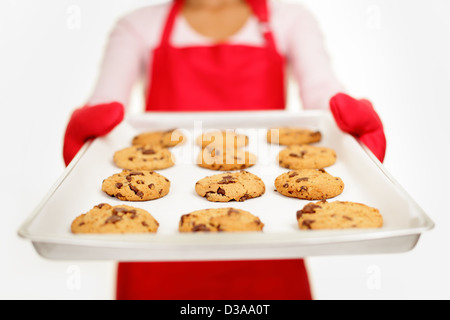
366 181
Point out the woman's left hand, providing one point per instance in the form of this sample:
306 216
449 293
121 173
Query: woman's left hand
359 118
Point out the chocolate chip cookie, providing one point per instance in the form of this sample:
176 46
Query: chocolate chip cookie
309 184
306 157
131 185
225 159
230 186
147 157
338 215
220 219
168 138
105 218
289 136
223 139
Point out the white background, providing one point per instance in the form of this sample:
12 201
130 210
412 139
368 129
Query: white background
393 52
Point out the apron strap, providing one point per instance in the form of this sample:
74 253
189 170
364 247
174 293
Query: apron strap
259 8
177 4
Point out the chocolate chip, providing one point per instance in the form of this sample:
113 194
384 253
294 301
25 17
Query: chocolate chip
133 188
183 217
221 191
119 185
200 227
151 186
244 197
208 193
144 224
303 188
307 223
348 218
118 210
133 173
302 179
100 205
293 174
285 185
301 155
308 209
148 151
136 191
227 180
132 214
113 219
231 210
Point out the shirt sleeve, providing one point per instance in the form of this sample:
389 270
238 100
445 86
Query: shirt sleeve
309 60
121 67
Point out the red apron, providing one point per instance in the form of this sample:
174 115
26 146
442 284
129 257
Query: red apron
220 77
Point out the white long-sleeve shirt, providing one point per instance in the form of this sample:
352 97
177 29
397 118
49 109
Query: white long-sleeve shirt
128 55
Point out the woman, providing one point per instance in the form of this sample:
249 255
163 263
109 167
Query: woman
217 55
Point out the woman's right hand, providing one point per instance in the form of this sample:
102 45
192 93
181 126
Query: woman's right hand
90 122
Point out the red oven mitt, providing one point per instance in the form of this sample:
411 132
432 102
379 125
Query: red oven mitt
359 118
90 122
